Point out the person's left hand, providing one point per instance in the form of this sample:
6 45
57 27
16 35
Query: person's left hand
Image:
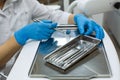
87 26
36 30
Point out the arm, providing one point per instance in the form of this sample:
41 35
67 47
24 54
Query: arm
7 50
36 30
71 19
42 12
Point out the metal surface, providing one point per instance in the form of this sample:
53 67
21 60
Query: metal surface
61 26
67 55
92 66
112 22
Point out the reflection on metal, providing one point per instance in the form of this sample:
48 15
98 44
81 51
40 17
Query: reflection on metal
94 65
3 76
61 26
73 51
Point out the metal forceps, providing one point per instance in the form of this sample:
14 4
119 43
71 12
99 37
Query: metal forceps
62 26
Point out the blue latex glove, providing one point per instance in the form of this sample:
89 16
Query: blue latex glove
87 26
36 30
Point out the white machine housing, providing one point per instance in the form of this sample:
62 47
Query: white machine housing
91 7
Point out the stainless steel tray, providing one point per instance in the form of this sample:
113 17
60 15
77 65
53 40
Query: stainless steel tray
94 65
72 52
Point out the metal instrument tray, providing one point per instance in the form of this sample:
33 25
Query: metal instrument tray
70 53
94 65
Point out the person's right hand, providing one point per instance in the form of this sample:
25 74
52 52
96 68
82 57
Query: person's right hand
36 30
87 26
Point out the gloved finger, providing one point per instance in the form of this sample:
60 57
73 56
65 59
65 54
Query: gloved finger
68 31
49 33
47 21
89 29
81 27
46 35
101 33
97 31
53 25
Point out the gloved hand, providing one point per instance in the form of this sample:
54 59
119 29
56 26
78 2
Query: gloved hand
87 26
36 30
